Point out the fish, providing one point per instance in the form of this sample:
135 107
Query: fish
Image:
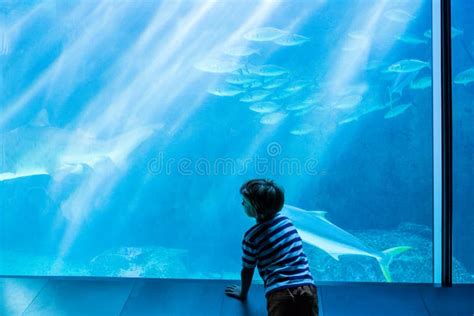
422 83
273 118
267 70
408 65
348 120
315 97
253 85
465 77
291 40
276 83
265 107
256 95
454 32
240 79
241 51
264 34
358 35
215 65
376 107
397 110
32 150
279 95
410 39
398 15
348 101
302 129
225 90
402 80
299 106
304 111
316 230
297 85
4 44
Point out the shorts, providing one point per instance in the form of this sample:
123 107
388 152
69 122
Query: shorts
296 301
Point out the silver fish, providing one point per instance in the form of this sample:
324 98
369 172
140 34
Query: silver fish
422 83
48 152
348 120
410 39
253 85
303 129
241 51
240 79
465 77
264 34
276 83
358 35
225 90
316 230
215 65
402 80
267 70
282 95
348 101
397 110
265 107
299 106
408 65
291 40
273 118
297 85
398 15
454 32
253 96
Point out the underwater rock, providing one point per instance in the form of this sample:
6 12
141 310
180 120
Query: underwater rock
140 262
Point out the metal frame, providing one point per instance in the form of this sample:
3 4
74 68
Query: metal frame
437 151
447 143
442 143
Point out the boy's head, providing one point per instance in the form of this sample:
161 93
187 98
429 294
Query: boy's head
262 198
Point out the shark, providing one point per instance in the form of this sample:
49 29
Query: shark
316 230
37 149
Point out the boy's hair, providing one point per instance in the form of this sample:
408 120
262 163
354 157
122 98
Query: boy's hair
265 195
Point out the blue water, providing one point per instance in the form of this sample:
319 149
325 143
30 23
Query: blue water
124 145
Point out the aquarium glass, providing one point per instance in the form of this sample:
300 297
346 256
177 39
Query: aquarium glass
128 127
462 35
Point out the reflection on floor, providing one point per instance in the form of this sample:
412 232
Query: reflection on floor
79 296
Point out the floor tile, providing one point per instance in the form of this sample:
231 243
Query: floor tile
81 297
17 293
372 300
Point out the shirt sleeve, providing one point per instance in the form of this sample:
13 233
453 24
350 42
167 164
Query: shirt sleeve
249 257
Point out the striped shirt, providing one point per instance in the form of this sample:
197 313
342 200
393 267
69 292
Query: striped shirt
275 247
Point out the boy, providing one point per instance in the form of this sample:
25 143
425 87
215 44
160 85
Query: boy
274 246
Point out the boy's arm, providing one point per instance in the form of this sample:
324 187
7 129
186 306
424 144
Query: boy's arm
246 276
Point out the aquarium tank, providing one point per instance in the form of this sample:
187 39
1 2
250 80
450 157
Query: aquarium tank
128 127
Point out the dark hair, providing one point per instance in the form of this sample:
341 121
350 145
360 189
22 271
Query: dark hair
265 195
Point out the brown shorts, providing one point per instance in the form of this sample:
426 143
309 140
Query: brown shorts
296 301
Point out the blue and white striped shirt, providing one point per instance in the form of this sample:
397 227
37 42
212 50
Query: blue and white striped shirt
275 247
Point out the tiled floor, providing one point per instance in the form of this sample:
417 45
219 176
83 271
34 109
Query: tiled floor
39 296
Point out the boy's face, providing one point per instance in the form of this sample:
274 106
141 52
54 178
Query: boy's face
248 207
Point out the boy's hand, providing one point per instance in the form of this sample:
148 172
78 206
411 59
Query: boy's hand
235 291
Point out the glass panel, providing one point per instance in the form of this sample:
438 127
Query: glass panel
462 34
128 127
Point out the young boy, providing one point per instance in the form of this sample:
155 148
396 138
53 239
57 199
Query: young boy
274 246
